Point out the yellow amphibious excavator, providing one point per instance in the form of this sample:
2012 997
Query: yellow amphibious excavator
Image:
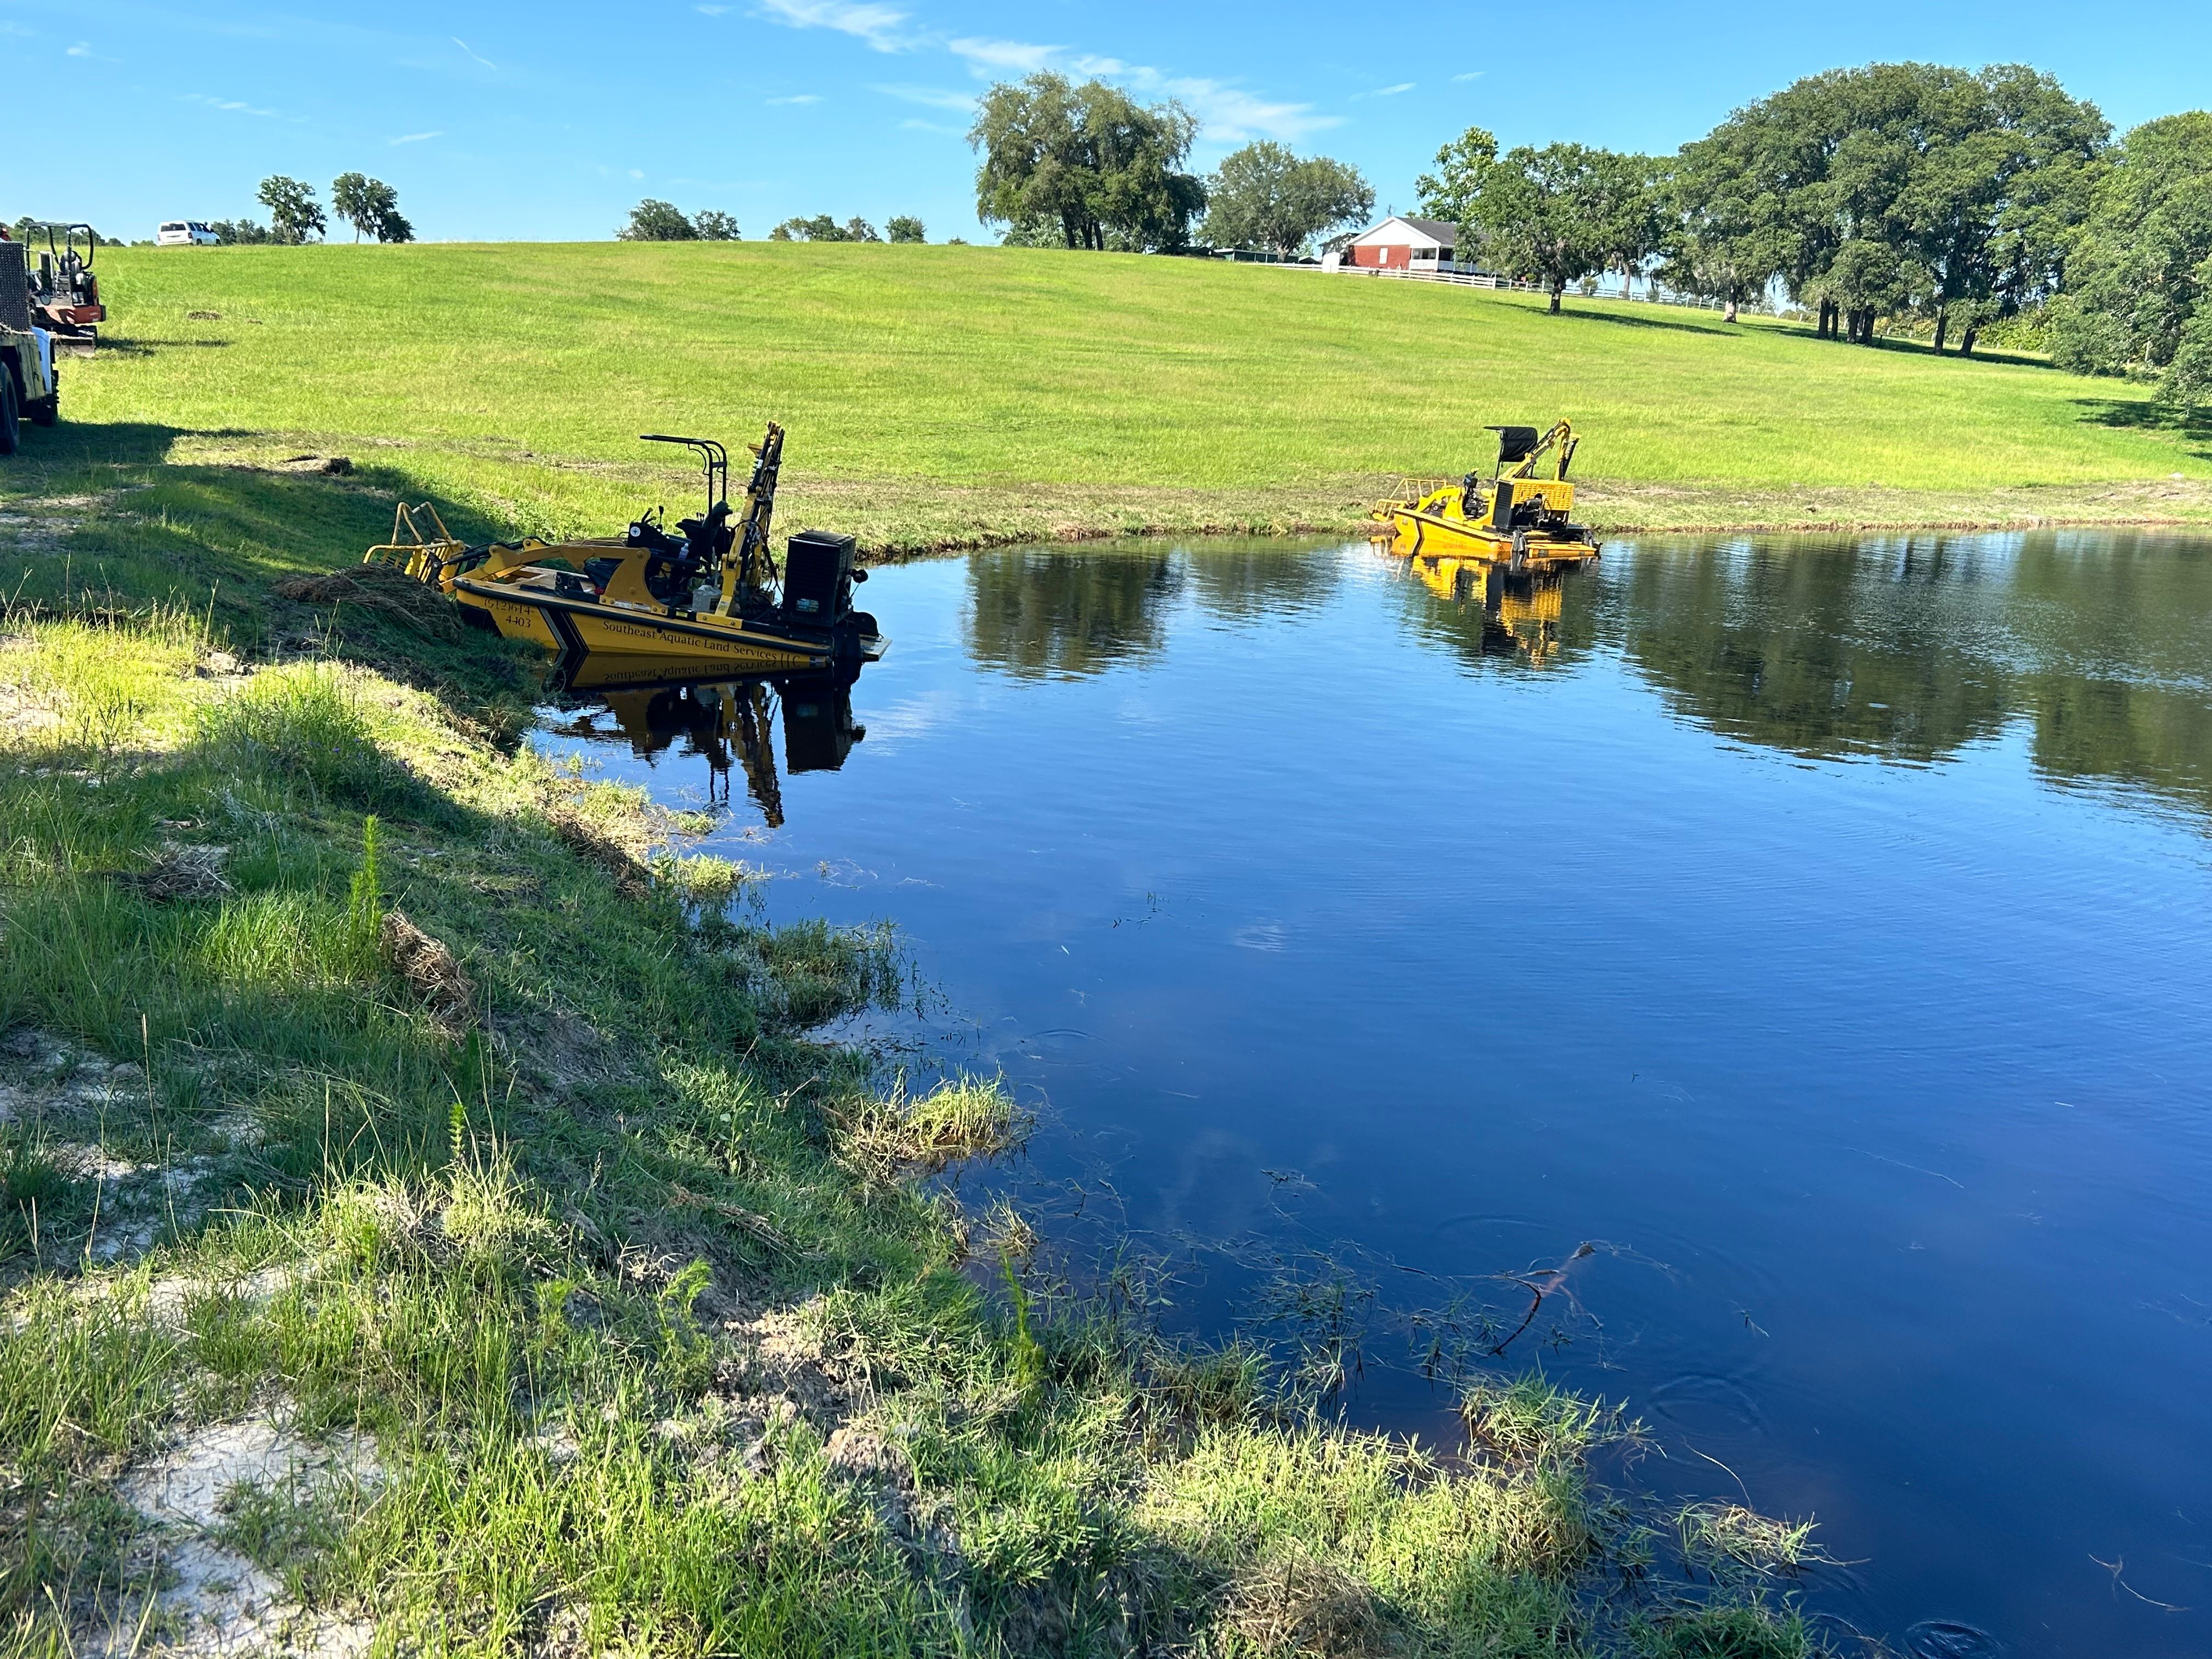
709 595
1516 518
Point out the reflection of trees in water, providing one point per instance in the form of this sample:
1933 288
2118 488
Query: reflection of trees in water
1813 652
1913 648
2121 627
1243 584
1083 610
1065 614
1907 648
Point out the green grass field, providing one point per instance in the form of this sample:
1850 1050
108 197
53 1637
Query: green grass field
940 396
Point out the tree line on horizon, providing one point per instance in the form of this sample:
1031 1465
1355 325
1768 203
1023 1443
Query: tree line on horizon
653 220
295 218
1890 195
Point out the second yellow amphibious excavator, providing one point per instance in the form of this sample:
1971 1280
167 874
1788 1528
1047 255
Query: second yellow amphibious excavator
1516 518
709 595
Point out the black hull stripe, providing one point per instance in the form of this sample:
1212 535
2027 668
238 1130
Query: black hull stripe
562 609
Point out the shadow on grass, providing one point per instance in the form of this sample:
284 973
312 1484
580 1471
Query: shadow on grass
112 345
2193 427
1806 331
217 540
1635 319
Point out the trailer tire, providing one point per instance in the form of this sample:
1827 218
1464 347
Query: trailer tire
47 412
10 433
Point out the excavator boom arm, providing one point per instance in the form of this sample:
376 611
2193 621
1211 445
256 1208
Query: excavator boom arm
1561 439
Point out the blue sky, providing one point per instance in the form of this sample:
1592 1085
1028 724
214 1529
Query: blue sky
504 120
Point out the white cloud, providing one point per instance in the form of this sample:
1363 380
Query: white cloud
414 138
712 11
913 125
983 55
472 53
1472 75
81 49
1387 92
636 174
1227 112
231 104
798 98
1232 115
877 24
929 97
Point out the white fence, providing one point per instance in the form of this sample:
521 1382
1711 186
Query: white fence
1654 294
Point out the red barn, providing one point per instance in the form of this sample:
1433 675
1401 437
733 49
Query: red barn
1403 244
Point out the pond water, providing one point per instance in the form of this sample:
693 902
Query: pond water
1818 929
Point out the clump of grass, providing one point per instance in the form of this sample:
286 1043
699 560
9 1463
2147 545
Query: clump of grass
1730 1537
811 972
1208 1388
1527 1421
492 1217
701 878
1736 1630
1009 1235
1293 1604
307 721
902 1134
280 942
1467 1562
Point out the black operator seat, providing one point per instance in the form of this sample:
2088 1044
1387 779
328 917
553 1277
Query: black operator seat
1516 443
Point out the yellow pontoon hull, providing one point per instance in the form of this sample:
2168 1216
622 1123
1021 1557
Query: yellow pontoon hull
1415 532
571 626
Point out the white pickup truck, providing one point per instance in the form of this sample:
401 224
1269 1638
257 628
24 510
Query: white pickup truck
30 388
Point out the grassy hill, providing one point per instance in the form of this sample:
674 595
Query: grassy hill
940 395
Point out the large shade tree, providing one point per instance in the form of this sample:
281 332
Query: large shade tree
1263 196
1895 188
656 221
295 215
2141 277
1556 215
1089 160
371 207
1716 241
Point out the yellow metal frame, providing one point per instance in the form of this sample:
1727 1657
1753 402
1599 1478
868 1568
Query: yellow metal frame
423 556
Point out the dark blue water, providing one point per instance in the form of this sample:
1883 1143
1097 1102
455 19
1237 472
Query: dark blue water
1820 930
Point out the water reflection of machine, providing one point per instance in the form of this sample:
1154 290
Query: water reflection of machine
1519 610
730 722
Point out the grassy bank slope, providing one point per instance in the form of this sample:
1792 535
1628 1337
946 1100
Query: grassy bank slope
942 394
438 1233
